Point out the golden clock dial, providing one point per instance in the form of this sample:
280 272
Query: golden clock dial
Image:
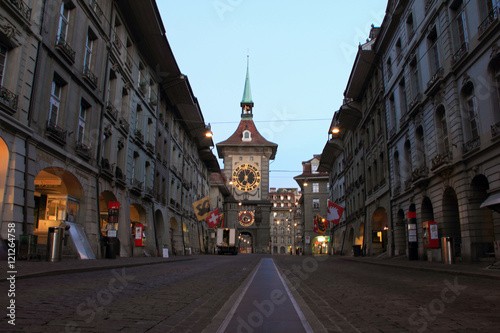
246 218
246 177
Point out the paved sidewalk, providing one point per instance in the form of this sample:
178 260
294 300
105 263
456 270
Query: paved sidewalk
30 269
478 269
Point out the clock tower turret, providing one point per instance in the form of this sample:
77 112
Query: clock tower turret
246 101
246 156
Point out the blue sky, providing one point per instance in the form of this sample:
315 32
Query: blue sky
301 54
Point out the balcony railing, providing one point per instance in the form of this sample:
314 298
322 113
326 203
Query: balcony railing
121 143
428 5
124 125
138 135
472 144
492 17
120 176
149 193
495 130
117 42
111 111
459 53
96 8
8 98
419 173
137 185
440 159
105 165
415 102
23 8
83 150
57 133
150 147
65 49
89 76
435 79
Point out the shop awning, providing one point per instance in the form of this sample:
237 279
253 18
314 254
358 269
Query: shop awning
493 202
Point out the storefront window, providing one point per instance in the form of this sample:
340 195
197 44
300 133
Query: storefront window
73 208
56 209
62 208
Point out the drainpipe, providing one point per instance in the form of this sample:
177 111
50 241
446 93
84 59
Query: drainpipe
100 238
30 112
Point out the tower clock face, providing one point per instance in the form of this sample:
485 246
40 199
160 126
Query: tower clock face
246 177
246 218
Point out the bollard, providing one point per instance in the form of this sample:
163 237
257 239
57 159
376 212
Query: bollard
447 250
55 243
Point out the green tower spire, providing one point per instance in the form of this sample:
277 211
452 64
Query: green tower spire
246 101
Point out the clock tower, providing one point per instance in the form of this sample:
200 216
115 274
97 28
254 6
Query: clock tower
246 156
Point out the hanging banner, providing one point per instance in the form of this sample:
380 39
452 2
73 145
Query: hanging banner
319 226
202 208
334 212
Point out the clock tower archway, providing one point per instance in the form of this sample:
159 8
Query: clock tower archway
246 155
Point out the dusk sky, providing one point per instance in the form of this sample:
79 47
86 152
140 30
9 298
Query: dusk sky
301 54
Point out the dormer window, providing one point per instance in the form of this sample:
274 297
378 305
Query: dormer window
247 136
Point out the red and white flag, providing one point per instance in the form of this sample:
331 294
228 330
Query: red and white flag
334 212
213 218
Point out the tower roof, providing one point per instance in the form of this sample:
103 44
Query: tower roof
247 92
256 139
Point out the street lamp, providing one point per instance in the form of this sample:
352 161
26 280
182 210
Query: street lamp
209 132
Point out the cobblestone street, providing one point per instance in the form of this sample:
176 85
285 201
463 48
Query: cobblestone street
335 295
174 297
348 296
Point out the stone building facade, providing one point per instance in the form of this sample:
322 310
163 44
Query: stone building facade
436 65
286 221
114 140
314 187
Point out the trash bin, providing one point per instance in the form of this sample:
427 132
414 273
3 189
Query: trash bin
356 249
110 247
54 243
447 250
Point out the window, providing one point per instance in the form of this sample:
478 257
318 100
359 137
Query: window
402 97
397 170
407 167
414 76
460 33
63 23
419 133
315 204
247 136
55 100
141 78
399 53
314 168
389 68
3 60
434 62
471 110
89 49
410 29
442 131
315 187
495 86
84 107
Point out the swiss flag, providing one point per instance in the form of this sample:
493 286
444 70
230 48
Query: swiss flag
334 212
213 218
